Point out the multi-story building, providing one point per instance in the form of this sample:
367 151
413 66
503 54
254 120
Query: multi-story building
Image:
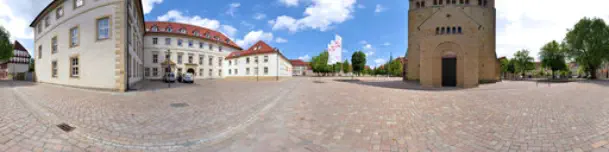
300 67
260 61
180 48
19 63
90 43
452 42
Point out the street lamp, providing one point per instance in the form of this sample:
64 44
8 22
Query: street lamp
167 60
278 54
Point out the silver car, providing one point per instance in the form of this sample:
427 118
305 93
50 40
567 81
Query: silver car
188 78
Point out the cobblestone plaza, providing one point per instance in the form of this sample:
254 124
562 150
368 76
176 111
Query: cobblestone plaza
307 114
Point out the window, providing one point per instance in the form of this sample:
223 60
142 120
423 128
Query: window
256 71
179 70
190 59
201 44
201 60
207 35
167 57
440 2
466 1
155 41
155 58
266 70
435 2
147 72
200 72
103 28
236 72
461 1
155 72
418 4
447 30
459 29
39 28
190 43
155 28
211 47
54 45
183 31
266 59
179 58
230 71
39 51
210 72
236 61
210 60
167 41
180 42
230 62
220 72
219 61
485 2
247 60
59 12
78 3
196 33
227 40
437 30
422 3
74 37
169 29
54 69
220 48
47 21
454 30
74 67
256 59
454 1
247 71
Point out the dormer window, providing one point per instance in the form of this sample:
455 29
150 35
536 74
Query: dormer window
207 35
227 41
183 31
169 29
217 38
155 28
196 33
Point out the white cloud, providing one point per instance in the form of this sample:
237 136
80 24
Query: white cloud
379 62
379 8
259 16
386 44
289 3
361 6
233 8
368 46
16 16
228 30
174 15
369 53
280 40
528 27
321 15
149 4
305 58
253 37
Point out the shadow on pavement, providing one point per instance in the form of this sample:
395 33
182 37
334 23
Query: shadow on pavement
397 84
154 85
604 83
15 83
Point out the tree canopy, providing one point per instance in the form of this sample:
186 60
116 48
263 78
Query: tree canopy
6 48
523 62
358 60
588 43
553 57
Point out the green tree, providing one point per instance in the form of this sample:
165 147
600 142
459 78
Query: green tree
319 64
358 59
6 48
32 65
396 68
588 43
523 62
553 57
504 66
346 66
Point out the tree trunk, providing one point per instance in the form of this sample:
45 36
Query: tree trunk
593 72
552 74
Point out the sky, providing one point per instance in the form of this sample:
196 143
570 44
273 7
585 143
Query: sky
302 29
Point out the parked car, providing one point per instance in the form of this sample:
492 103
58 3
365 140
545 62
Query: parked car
188 78
169 78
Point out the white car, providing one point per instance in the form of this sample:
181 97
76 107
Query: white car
188 78
169 78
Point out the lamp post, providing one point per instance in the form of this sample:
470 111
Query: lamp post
167 60
278 54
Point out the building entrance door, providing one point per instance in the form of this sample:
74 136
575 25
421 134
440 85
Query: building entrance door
449 72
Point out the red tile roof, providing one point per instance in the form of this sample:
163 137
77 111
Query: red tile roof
190 31
298 62
259 48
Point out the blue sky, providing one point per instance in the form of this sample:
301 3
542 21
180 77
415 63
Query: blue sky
375 27
304 27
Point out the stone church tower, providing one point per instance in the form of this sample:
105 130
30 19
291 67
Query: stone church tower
452 42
